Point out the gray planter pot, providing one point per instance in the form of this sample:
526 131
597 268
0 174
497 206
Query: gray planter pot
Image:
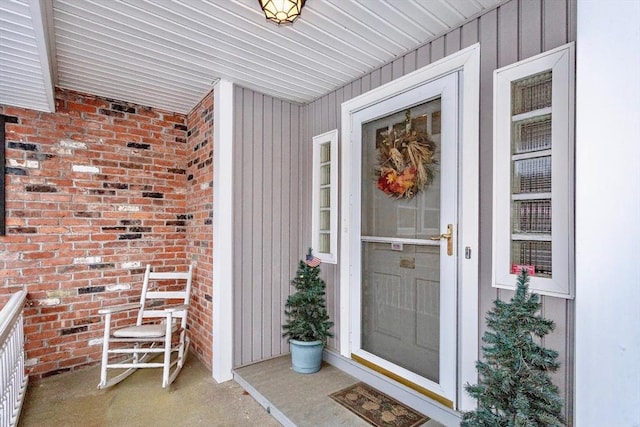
306 356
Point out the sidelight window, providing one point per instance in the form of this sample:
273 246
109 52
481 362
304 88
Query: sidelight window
533 173
325 196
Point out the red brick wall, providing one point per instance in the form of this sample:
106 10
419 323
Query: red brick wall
94 192
199 230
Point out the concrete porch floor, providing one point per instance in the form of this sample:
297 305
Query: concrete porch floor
194 399
301 400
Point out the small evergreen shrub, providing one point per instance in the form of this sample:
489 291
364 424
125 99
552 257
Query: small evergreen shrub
306 311
515 388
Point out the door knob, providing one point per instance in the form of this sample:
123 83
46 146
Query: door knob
449 236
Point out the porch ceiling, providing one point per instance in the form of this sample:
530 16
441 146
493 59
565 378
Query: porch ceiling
166 54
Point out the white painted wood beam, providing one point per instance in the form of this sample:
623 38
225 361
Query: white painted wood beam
42 18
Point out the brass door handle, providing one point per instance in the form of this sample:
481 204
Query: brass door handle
449 236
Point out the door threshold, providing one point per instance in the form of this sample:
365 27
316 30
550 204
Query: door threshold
443 400
403 393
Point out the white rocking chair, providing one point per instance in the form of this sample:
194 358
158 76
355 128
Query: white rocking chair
160 328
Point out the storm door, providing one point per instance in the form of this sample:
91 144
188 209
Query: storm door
404 298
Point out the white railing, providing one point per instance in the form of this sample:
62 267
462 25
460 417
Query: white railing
12 376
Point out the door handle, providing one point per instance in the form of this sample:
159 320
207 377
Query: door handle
449 236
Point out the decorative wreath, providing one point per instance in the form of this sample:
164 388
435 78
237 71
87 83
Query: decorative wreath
406 162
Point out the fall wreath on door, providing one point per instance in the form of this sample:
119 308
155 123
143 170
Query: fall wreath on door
406 162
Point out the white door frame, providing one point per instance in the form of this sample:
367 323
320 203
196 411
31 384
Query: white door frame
467 61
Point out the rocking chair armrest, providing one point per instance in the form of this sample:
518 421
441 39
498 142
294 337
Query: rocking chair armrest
118 308
175 308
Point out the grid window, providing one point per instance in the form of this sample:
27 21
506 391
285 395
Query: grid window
324 238
533 173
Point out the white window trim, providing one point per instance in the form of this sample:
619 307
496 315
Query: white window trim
330 138
561 62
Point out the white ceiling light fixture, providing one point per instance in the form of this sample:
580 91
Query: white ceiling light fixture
282 12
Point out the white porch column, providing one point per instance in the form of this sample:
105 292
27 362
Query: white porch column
607 214
222 231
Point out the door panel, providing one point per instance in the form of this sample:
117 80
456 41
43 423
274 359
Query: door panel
400 315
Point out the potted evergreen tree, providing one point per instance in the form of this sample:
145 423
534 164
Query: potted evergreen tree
515 387
307 323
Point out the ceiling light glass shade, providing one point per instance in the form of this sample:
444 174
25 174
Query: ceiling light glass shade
282 11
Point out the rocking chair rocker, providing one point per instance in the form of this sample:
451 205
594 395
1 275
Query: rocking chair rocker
160 329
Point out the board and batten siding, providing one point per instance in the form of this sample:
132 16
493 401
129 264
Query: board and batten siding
273 178
269 181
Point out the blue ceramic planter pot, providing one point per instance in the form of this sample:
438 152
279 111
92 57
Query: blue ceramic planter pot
306 357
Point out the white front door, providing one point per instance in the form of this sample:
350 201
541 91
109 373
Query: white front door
404 283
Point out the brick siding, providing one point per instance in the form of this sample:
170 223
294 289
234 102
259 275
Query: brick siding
200 216
94 192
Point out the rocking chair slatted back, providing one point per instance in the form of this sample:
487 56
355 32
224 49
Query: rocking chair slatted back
151 298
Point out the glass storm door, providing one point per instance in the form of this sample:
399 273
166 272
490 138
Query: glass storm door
404 301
